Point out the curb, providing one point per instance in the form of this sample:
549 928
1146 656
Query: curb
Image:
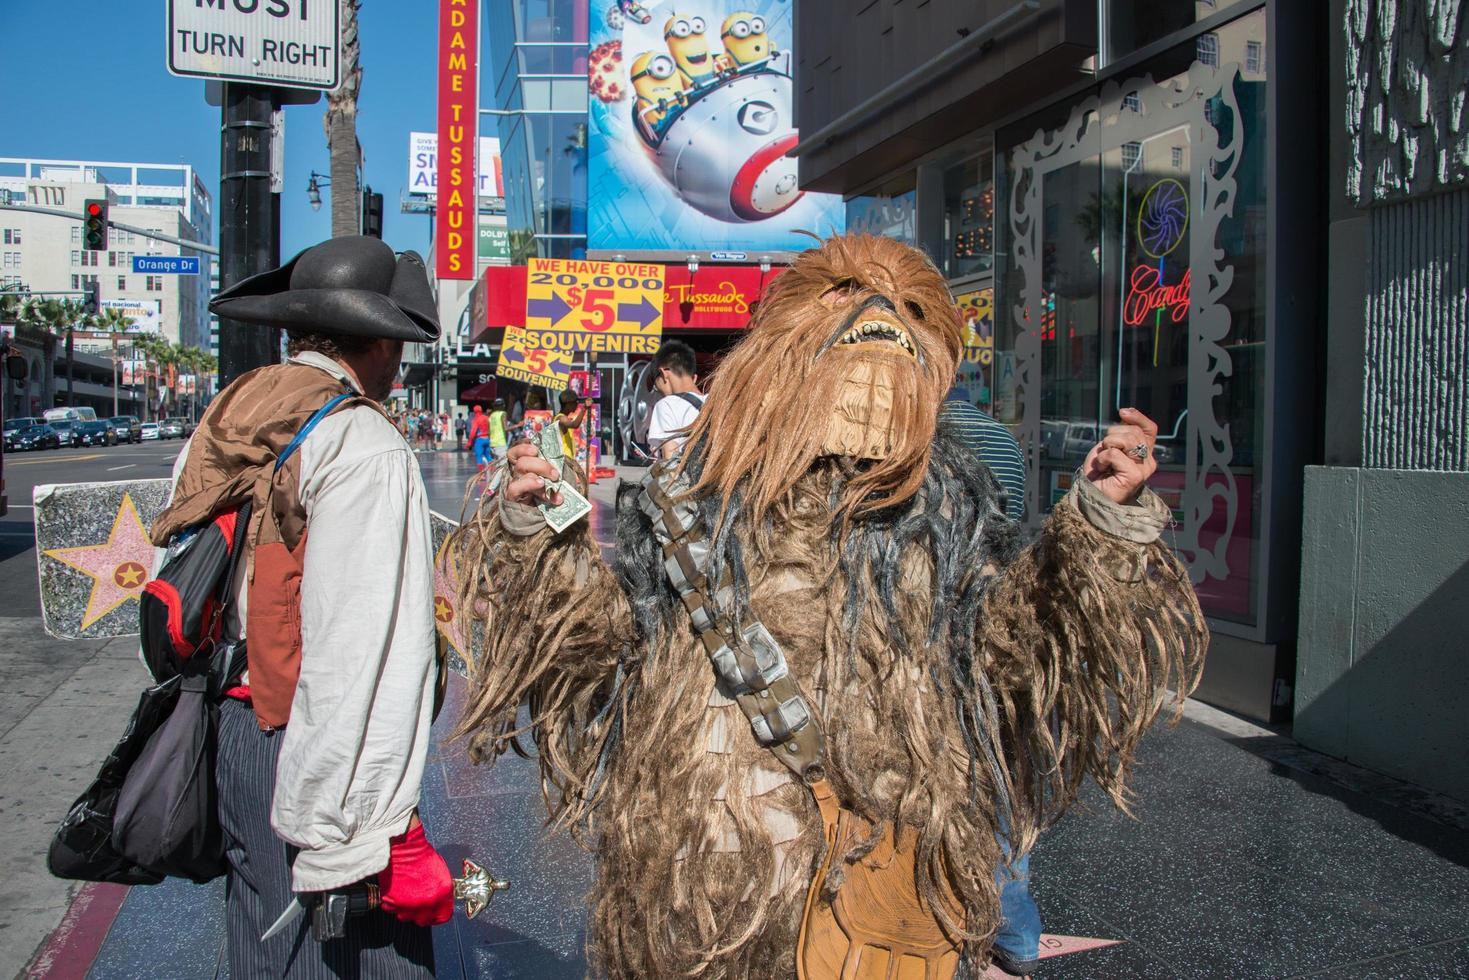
69 952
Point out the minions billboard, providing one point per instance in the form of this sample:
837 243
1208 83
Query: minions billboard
689 127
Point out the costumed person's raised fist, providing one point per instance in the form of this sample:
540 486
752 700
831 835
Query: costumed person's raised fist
416 885
1121 464
529 476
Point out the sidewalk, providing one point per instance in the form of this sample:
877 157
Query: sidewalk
1251 857
62 707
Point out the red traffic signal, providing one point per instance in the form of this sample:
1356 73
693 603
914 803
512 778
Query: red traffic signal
94 225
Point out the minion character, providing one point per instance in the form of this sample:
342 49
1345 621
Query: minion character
655 80
744 39
686 42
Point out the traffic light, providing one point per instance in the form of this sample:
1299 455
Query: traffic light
372 213
94 225
92 301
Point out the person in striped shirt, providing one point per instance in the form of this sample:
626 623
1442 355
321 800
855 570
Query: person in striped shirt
1017 944
995 445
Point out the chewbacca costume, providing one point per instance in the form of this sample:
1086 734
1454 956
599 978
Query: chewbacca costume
959 685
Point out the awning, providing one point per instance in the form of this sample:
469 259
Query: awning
479 393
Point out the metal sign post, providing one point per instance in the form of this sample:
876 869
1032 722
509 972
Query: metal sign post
254 54
249 230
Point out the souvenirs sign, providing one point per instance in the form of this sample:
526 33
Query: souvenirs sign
602 307
525 359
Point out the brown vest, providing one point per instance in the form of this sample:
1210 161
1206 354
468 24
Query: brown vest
232 460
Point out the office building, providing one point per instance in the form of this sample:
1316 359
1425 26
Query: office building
44 254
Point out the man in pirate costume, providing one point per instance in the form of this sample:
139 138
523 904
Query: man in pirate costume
322 743
822 681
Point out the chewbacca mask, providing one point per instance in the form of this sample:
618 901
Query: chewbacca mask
850 355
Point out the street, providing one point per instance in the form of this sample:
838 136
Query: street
26 471
1250 857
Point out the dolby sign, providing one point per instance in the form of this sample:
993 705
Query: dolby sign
288 43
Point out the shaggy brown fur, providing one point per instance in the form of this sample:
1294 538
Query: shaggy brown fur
950 701
775 389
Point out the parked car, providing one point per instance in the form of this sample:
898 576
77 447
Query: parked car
21 422
148 430
94 433
1080 438
129 429
39 436
170 429
186 424
64 428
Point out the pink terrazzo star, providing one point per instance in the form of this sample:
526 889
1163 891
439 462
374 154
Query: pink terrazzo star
446 597
1057 946
118 569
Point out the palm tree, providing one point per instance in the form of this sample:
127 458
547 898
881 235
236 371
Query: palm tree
157 353
114 321
58 317
11 305
340 124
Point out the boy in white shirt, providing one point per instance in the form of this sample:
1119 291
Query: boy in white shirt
675 377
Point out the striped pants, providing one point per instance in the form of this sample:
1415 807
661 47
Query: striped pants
377 946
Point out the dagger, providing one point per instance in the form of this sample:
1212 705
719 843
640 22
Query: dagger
331 910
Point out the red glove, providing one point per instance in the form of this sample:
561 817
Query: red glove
416 885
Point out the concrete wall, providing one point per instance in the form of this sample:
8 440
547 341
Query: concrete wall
1382 677
1382 669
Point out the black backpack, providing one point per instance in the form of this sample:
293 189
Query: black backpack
152 811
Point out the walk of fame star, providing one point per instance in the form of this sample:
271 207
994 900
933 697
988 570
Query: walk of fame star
1057 946
118 568
446 592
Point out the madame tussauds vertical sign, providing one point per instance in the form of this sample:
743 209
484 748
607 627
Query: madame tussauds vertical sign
458 201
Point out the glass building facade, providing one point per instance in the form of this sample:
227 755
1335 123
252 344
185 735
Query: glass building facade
1134 238
533 83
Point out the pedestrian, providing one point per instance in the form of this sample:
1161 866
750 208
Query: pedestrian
1017 944
996 447
479 438
500 429
675 378
322 744
461 425
569 419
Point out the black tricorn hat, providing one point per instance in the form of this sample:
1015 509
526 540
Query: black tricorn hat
352 285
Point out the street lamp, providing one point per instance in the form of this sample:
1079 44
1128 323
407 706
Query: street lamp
313 189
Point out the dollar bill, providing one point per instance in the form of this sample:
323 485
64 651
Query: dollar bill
548 441
573 507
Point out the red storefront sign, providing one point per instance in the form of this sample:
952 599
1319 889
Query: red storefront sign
714 298
457 229
717 297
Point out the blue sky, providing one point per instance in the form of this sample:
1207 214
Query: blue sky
87 79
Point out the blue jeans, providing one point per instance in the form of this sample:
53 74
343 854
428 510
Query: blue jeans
1020 921
482 451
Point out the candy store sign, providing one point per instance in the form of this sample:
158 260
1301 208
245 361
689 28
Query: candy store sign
1149 297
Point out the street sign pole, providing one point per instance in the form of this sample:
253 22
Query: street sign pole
249 227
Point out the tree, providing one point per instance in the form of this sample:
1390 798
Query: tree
340 123
58 317
114 321
157 353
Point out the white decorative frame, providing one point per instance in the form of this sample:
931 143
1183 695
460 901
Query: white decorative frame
1096 125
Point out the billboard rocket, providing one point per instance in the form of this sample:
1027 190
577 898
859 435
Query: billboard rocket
689 127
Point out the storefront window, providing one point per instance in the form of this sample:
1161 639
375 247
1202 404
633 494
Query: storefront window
969 217
891 210
1134 275
1133 24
